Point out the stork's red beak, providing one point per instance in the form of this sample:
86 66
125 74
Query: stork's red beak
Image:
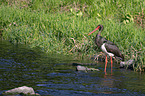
94 30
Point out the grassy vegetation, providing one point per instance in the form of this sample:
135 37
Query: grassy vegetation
61 26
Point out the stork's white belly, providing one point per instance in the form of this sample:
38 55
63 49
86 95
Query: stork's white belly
105 51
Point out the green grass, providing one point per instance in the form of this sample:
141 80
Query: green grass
61 26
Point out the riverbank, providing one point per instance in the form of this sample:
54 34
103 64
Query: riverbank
56 75
61 27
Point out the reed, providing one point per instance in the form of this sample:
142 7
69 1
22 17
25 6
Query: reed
61 26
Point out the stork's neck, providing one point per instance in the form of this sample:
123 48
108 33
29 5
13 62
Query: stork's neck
99 33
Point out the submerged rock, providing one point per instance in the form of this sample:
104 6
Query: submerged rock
21 90
82 68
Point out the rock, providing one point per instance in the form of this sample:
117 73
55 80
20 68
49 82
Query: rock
21 90
82 68
129 64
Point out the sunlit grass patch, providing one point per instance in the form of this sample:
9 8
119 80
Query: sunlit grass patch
62 26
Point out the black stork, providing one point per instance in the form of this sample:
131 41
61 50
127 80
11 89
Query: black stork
108 47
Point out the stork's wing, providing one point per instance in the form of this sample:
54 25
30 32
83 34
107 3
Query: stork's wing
112 48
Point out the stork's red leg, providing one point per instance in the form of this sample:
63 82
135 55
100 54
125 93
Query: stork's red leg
111 64
105 64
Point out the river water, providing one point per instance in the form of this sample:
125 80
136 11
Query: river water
54 75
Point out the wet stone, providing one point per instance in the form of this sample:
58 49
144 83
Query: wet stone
21 90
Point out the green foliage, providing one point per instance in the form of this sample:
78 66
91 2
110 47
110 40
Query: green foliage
61 26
